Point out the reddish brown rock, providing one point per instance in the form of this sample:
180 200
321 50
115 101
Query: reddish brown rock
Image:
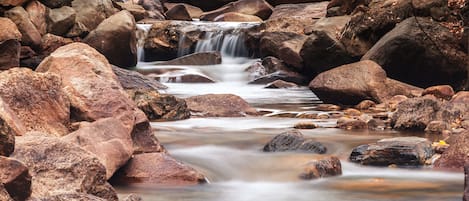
305 10
199 58
158 168
9 30
60 20
365 105
327 167
132 80
15 177
283 45
278 84
30 34
144 137
37 14
4 194
90 14
237 17
351 123
461 97
37 100
12 2
443 91
258 8
178 12
136 10
108 139
194 12
466 183
56 3
52 42
344 7
10 46
279 2
219 105
437 127
183 76
457 154
416 113
160 107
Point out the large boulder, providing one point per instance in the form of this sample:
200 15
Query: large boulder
119 27
162 42
219 105
293 140
107 139
160 107
37 99
37 14
401 151
426 60
352 83
30 34
58 167
258 8
178 12
158 168
457 154
283 45
91 13
15 177
60 20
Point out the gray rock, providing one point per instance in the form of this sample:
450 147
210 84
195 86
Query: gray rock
293 141
60 20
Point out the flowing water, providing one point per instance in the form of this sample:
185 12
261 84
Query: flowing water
228 151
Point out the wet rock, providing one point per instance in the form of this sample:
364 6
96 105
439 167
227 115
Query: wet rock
401 151
56 3
326 167
29 32
442 91
352 83
119 27
37 14
193 11
162 42
258 8
91 13
305 10
437 127
183 76
159 107
284 75
351 123
15 178
200 58
305 125
278 84
51 158
37 100
416 113
158 168
178 12
365 105
283 45
131 80
237 17
457 153
219 105
60 20
108 139
425 61
256 70
154 8
293 141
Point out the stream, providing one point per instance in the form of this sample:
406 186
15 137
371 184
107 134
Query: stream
229 150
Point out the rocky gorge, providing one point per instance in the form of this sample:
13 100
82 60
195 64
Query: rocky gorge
234 100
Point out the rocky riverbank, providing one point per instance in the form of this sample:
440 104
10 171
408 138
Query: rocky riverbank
73 119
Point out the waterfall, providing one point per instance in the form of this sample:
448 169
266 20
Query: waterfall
142 32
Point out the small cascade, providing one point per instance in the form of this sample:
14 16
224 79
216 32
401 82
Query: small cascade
142 32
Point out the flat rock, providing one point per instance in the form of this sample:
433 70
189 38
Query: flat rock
201 58
219 105
132 80
278 84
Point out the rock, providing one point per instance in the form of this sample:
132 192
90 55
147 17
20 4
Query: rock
7 134
193 11
162 41
283 45
15 178
159 107
352 112
91 13
344 7
50 158
9 54
183 76
4 194
133 197
200 58
37 14
258 8
132 80
328 107
278 84
457 153
119 27
219 105
278 2
287 76
416 113
293 140
136 10
9 31
56 3
108 139
144 137
51 42
29 32
61 20
401 151
442 91
392 103
333 26
287 24
158 168
237 17
466 183
12 2
326 167
437 127
426 61
365 105
178 12
305 125
351 123
367 27
352 83
71 197
37 100
306 10
461 97
154 8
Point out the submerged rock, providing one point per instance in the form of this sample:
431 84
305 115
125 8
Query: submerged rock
326 167
219 105
279 84
401 151
293 141
200 58
15 178
183 76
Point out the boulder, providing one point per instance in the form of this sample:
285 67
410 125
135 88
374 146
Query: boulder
351 123
461 97
29 32
132 80
258 8
108 139
194 12
284 75
50 158
442 91
136 10
4 194
56 3
51 42
287 24
293 140
283 45
160 107
162 41
7 134
237 17
333 26
457 154
154 8
9 31
278 84
9 54
206 5
437 127
119 27
37 100
352 83
60 20
178 12
401 151
219 105
158 168
305 10
344 7
71 197
200 58
427 60
91 13
37 14
12 2
144 137
15 178
327 167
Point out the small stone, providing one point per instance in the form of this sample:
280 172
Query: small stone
327 167
394 101
328 107
352 112
351 124
323 115
365 105
305 125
